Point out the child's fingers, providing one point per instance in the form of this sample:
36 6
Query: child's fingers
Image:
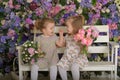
61 31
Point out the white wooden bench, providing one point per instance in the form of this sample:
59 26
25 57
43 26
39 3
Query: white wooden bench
110 65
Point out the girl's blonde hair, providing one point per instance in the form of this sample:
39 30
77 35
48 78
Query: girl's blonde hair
77 22
40 24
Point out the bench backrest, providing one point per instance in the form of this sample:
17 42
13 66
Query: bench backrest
102 38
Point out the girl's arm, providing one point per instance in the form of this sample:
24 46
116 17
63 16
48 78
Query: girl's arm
61 40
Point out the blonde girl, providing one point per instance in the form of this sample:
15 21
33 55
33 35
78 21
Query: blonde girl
48 42
72 59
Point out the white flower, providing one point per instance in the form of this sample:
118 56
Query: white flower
29 1
29 44
26 55
2 22
25 48
79 11
25 45
23 52
28 58
36 51
79 1
32 42
108 10
103 10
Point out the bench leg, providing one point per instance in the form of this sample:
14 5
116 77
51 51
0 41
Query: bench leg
20 75
111 76
115 75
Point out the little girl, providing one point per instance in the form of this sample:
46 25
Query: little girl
72 59
48 42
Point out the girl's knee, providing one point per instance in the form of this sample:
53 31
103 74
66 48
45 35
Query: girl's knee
75 66
34 66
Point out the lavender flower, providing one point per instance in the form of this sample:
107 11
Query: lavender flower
112 7
103 2
86 3
1 9
12 15
7 10
3 39
104 21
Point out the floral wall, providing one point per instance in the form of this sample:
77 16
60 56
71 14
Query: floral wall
17 18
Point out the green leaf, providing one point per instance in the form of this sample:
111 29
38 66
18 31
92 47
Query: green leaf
115 39
63 2
94 2
77 4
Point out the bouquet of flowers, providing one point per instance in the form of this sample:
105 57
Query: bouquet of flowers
86 37
30 52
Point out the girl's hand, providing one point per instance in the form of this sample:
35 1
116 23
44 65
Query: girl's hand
61 32
61 41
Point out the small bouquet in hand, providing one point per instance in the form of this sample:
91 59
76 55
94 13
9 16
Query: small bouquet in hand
30 52
86 37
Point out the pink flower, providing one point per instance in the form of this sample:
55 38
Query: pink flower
17 6
70 8
11 33
39 11
10 3
81 31
55 10
28 21
95 34
78 37
113 26
87 41
86 37
31 51
32 61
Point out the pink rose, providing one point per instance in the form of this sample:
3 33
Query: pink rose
81 31
32 61
31 51
95 34
87 41
78 37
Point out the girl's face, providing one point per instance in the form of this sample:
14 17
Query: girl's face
49 30
69 28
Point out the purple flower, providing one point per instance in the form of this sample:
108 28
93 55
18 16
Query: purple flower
103 2
112 7
39 11
66 15
109 21
86 3
20 1
7 10
11 33
12 50
47 6
12 15
17 21
3 39
104 20
1 9
119 51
